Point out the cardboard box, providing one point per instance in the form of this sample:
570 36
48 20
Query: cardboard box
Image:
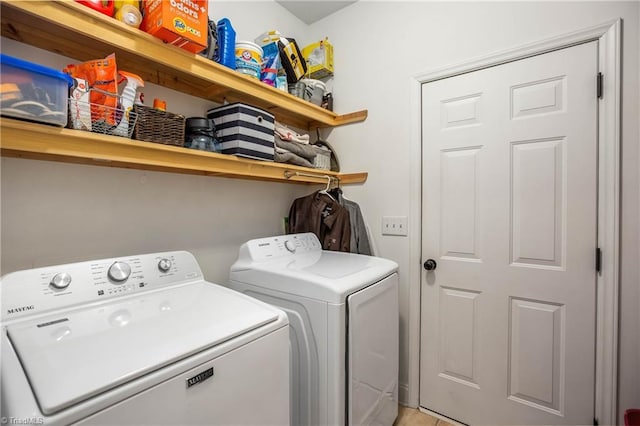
319 57
182 23
244 131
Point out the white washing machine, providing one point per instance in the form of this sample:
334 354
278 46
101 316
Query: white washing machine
343 315
139 340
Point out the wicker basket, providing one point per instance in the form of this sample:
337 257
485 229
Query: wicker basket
159 126
322 160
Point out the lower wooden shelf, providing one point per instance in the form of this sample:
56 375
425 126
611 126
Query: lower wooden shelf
40 142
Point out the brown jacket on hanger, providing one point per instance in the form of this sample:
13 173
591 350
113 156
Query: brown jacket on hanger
325 217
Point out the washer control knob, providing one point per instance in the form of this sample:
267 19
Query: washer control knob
164 265
60 281
290 245
119 271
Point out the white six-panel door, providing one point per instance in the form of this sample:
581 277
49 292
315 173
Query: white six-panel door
509 215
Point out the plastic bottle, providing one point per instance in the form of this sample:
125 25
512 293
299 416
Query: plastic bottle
129 14
127 98
226 44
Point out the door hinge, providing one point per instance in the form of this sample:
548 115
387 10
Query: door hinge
599 84
598 259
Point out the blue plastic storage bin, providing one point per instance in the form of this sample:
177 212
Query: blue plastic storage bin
33 92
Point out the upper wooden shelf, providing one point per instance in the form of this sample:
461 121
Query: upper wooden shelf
71 29
22 139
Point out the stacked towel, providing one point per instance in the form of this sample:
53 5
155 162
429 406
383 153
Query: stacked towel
286 134
292 147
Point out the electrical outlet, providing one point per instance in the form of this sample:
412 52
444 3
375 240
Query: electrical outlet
395 225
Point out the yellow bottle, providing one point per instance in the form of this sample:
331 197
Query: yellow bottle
128 11
119 3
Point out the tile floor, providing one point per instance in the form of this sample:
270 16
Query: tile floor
414 417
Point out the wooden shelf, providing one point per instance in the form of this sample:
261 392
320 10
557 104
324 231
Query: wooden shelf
36 141
73 30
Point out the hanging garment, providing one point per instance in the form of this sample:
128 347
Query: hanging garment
359 236
325 217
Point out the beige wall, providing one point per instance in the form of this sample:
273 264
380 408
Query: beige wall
55 213
380 46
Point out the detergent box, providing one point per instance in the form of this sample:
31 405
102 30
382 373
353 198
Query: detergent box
183 23
319 57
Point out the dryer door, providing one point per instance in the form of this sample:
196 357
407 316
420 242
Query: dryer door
373 333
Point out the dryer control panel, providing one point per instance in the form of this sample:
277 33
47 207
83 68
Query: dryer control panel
34 291
281 246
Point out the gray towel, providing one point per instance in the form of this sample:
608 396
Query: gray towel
301 150
290 158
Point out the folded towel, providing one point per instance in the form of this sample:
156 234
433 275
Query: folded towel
301 150
287 134
290 158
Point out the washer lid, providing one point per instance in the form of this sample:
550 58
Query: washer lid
324 275
76 355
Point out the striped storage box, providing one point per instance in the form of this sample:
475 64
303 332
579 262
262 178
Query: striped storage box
244 131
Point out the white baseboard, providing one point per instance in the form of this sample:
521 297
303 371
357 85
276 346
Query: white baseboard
403 395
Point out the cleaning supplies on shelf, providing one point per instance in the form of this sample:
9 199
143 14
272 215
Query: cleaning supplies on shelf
128 96
319 57
271 64
102 6
292 60
226 44
159 104
182 23
102 77
211 52
249 58
79 105
128 11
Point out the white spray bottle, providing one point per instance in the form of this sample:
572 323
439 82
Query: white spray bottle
126 99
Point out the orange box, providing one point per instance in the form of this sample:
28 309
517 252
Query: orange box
182 23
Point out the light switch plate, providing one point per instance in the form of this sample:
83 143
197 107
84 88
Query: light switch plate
395 225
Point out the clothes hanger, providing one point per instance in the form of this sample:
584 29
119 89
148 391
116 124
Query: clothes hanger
326 190
288 174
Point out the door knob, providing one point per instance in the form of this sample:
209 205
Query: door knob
430 265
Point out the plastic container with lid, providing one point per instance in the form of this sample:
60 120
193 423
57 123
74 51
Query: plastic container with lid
249 58
33 92
200 133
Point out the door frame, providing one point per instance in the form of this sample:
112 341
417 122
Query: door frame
608 34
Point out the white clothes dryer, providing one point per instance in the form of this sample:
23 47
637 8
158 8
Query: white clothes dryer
139 340
344 325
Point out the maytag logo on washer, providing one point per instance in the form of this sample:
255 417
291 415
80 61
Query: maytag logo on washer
20 309
199 378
